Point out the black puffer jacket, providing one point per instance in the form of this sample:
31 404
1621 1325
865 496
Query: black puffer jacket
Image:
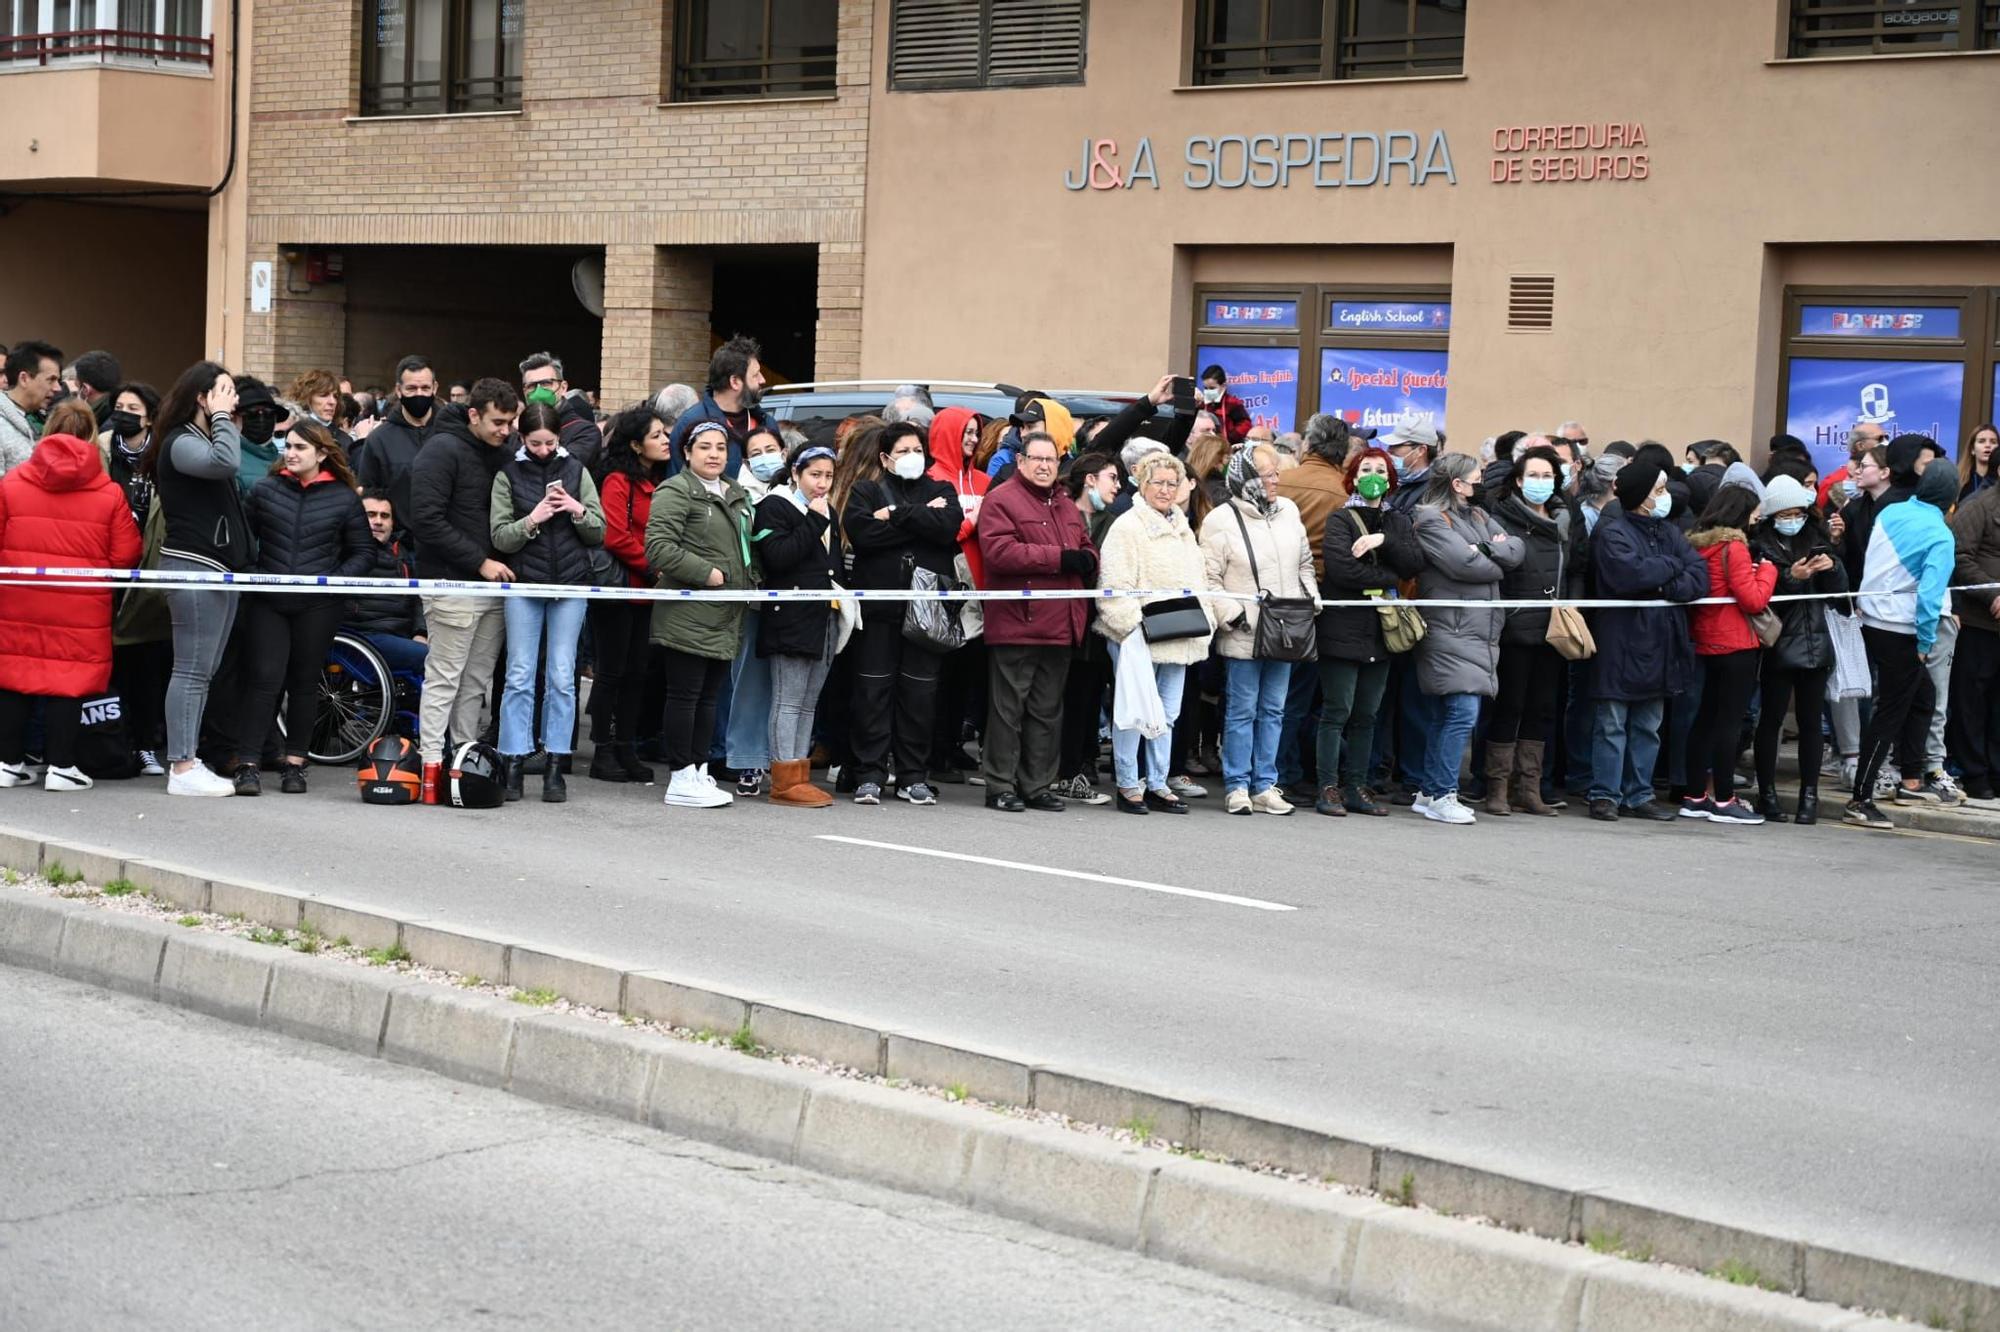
451 493
795 548
1806 645
399 617
391 453
913 528
1552 568
315 528
1354 633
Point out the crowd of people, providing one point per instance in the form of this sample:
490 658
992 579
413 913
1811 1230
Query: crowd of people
1336 619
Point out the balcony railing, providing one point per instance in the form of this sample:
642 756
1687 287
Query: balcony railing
104 46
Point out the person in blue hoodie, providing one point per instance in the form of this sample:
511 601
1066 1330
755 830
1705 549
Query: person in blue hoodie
1903 586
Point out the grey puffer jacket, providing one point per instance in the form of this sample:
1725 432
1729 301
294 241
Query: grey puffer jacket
1467 554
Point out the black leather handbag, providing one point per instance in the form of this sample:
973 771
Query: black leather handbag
1285 625
1174 617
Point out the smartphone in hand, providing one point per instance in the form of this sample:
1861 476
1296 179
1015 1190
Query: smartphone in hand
1184 399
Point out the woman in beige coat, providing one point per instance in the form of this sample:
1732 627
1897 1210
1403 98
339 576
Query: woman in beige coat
1254 695
1152 546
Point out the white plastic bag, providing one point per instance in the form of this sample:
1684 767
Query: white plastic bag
1135 704
1850 677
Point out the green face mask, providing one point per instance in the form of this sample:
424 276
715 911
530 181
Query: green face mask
543 394
1372 486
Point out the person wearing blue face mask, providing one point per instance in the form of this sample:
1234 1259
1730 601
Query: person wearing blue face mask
744 710
1644 653
1412 445
1795 538
1531 672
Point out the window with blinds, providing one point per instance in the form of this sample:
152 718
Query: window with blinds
986 43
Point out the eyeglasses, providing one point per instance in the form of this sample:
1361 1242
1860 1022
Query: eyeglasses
1038 461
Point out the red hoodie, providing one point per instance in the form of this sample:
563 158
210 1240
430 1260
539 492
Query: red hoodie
59 509
952 465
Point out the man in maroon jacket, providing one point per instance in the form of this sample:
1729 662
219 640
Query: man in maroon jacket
1030 537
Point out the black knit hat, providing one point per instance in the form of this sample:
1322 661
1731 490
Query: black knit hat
1903 451
1634 483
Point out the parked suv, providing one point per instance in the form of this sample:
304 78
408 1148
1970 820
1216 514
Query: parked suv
835 401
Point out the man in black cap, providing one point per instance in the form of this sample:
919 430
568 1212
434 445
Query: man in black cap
1644 654
257 417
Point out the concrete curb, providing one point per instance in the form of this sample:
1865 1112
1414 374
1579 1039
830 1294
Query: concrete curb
1065 1181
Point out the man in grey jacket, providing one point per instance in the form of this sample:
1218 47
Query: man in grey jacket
34 373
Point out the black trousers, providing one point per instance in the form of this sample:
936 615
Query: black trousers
62 721
283 641
895 700
1728 680
1972 730
692 686
618 691
1083 706
1530 692
961 698
139 672
1904 700
1024 690
1805 691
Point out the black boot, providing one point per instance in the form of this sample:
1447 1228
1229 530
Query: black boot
605 765
1767 805
635 771
1808 806
555 787
516 765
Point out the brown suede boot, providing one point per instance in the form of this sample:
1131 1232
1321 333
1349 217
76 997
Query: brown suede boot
1528 781
791 784
1499 767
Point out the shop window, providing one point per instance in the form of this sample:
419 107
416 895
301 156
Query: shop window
728 49
986 43
1288 41
1891 27
438 56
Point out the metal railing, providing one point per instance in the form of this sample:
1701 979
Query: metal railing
101 44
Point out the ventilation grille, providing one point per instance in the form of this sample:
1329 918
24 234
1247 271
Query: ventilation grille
1531 303
982 43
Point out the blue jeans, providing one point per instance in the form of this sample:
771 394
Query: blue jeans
748 740
1253 715
1171 679
404 655
1450 718
1680 727
1300 695
1624 746
525 618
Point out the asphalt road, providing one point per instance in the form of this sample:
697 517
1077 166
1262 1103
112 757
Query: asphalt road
161 1169
1796 1030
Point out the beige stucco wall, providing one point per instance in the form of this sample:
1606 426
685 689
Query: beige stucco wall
1667 295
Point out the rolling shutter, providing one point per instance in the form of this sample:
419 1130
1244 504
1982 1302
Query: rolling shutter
986 43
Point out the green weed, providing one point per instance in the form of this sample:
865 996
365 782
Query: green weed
537 998
705 1035
189 921
343 942
956 1092
268 936
13 877
61 875
382 957
120 888
1739 1273
310 940
1405 1194
471 982
743 1040
1140 1127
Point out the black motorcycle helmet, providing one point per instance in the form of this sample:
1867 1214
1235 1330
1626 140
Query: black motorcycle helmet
473 778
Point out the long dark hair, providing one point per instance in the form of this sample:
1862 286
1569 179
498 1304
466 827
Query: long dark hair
538 416
317 435
621 444
178 410
1731 507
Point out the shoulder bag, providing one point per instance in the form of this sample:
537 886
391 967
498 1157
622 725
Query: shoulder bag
1285 629
1765 623
929 620
1402 624
1569 632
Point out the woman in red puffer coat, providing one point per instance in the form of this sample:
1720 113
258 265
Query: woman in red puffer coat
57 510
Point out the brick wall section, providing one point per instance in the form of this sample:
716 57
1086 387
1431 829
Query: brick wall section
592 158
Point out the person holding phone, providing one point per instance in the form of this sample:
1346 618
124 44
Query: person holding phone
1795 538
546 516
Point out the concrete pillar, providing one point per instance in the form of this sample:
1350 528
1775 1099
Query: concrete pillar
837 340
306 328
656 307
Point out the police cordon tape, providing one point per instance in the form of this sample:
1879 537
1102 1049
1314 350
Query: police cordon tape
335 585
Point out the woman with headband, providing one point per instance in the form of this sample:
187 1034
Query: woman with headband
798 546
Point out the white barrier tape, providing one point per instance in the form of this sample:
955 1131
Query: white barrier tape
329 584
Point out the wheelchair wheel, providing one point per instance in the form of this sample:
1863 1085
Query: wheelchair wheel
357 702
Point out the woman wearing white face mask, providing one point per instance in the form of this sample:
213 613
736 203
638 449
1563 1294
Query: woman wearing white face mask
1531 672
1794 538
747 734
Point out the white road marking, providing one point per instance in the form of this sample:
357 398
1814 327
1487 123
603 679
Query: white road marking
1229 899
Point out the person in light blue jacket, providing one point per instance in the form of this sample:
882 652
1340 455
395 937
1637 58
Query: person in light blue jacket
1904 581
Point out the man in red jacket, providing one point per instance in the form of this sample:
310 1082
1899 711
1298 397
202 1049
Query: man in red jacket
1031 537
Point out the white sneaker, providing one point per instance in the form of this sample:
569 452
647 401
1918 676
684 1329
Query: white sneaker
16 774
1237 802
67 779
199 781
1421 804
150 765
1270 801
1446 809
688 790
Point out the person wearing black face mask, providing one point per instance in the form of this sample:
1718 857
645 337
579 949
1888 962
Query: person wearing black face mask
123 442
142 656
257 416
393 445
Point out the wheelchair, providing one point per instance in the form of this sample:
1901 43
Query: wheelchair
360 701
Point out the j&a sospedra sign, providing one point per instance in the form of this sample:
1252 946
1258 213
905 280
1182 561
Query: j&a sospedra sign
1344 159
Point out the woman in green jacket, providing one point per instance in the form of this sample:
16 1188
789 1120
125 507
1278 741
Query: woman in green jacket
698 536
